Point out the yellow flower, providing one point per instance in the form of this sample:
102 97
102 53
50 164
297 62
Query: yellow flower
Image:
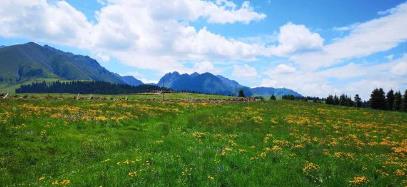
399 173
132 174
310 167
198 134
64 182
41 178
211 178
359 180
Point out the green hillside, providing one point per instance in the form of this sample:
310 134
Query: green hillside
28 62
145 141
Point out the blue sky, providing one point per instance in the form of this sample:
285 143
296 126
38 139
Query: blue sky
316 47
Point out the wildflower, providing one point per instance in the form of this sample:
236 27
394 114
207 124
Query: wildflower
41 178
267 138
310 167
242 151
211 178
399 173
132 174
186 172
359 180
276 148
311 170
344 155
63 182
225 151
198 135
257 119
299 146
43 133
127 162
402 148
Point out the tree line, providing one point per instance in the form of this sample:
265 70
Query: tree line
380 100
87 87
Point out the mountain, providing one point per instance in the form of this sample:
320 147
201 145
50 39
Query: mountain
268 91
203 83
130 80
212 84
27 62
30 61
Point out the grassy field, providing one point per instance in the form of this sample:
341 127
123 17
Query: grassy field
55 140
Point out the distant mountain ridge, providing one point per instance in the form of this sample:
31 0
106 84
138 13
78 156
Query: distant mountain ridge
130 80
30 61
216 84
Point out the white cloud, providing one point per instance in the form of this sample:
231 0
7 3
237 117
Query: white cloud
156 35
57 22
220 11
245 13
145 34
204 66
366 38
347 71
284 69
296 38
139 76
244 71
400 66
356 78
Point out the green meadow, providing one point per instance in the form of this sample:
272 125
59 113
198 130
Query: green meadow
197 140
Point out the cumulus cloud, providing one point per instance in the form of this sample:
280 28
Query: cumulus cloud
143 34
203 67
366 38
37 19
283 69
149 34
359 78
294 38
156 35
244 71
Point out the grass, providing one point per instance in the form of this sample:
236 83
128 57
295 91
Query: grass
11 88
142 142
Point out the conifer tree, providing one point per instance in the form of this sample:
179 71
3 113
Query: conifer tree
241 93
358 101
330 100
377 99
390 100
405 101
336 100
397 101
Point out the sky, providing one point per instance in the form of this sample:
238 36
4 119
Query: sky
316 47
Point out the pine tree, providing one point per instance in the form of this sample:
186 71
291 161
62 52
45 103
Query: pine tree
273 98
329 100
405 102
397 101
342 100
336 100
358 101
390 100
377 99
241 93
